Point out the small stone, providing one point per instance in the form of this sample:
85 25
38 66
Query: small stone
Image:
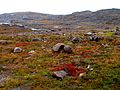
81 74
117 32
88 67
91 69
31 52
3 42
88 34
17 50
37 39
105 45
60 74
75 40
94 38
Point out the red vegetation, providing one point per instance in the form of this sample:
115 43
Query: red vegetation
71 69
22 44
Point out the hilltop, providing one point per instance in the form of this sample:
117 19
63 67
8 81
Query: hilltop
99 19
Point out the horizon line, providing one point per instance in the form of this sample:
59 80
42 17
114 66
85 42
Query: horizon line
57 14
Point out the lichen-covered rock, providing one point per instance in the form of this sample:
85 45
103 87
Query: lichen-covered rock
17 50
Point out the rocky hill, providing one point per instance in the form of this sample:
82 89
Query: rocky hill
39 20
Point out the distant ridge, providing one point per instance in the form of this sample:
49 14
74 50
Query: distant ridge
104 16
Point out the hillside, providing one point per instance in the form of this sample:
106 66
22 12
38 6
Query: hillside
100 19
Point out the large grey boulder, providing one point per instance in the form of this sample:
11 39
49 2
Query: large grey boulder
58 47
62 47
17 50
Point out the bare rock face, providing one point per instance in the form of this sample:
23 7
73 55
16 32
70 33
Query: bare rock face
62 47
17 50
67 49
58 47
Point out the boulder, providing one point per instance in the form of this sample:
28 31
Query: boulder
17 50
67 49
58 47
62 47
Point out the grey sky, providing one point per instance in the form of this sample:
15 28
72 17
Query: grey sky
56 6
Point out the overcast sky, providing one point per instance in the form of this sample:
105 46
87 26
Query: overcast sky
56 6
